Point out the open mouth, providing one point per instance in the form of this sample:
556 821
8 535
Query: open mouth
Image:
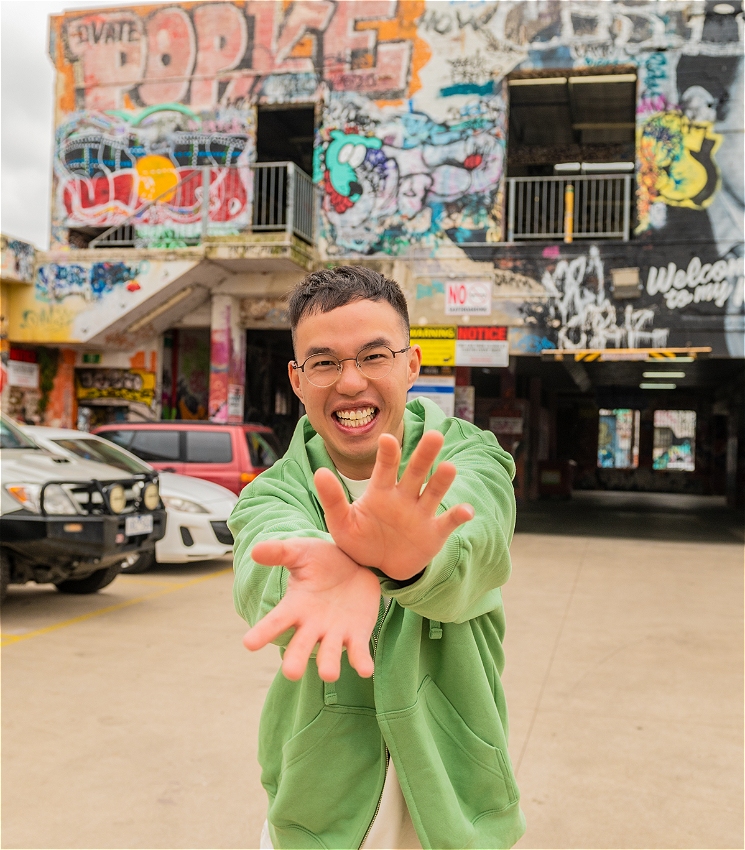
356 417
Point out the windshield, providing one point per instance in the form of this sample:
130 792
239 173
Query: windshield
11 436
102 453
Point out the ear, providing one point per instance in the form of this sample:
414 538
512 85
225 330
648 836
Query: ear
294 375
414 364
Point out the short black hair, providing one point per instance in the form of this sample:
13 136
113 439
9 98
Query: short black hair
327 289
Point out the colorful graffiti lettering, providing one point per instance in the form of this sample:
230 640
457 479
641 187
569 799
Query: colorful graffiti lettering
57 281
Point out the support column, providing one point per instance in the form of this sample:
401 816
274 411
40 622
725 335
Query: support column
227 360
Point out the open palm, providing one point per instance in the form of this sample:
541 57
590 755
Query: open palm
331 602
394 526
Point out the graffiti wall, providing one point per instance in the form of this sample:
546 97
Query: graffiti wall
18 260
74 302
411 147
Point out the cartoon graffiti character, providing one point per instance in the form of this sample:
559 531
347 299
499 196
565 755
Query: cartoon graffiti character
346 153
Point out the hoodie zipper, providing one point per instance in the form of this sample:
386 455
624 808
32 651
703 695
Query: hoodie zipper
375 637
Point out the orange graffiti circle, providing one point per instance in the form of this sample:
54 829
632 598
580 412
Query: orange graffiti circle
156 176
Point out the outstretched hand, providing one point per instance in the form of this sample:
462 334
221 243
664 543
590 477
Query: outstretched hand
331 601
393 526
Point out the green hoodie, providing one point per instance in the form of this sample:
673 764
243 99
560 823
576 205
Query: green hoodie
435 701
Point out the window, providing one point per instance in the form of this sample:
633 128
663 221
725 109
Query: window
156 446
618 439
208 447
674 444
261 451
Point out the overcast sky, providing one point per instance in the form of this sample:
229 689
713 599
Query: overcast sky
27 134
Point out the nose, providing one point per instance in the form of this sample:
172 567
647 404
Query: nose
351 381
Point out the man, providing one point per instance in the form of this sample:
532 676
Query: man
395 735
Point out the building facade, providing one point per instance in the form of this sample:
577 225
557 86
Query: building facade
557 186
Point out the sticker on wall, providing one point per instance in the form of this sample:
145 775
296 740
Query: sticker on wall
437 344
482 346
468 298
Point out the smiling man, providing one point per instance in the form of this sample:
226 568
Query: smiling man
373 555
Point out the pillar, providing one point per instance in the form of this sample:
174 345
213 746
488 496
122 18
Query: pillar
227 360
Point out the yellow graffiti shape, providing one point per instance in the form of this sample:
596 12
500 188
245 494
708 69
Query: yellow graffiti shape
156 175
677 162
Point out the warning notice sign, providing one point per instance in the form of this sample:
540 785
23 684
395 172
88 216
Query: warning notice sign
485 345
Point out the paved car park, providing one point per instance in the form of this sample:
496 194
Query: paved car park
130 716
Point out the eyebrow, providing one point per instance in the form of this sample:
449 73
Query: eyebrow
381 340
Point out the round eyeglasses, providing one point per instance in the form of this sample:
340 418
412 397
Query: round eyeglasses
374 361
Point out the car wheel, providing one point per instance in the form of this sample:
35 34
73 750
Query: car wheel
4 573
90 584
139 563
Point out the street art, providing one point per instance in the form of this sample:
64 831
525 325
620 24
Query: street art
55 281
110 165
392 179
73 302
411 146
18 259
582 313
698 283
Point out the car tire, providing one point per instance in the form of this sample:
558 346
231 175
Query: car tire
89 584
144 561
4 573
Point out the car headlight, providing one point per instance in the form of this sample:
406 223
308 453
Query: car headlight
57 501
117 498
26 495
151 496
176 503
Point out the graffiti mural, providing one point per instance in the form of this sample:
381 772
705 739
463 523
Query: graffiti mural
73 302
18 259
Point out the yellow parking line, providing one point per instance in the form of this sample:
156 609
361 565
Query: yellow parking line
10 639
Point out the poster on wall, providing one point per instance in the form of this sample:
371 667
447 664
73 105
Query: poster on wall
437 388
437 344
482 346
102 386
674 444
25 375
235 403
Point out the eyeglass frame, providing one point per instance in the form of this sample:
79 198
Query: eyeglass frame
301 367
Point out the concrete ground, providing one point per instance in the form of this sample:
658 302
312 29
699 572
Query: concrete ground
129 718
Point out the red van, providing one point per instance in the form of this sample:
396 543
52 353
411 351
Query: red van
231 455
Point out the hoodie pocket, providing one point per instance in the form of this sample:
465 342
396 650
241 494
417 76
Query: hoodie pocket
480 773
330 780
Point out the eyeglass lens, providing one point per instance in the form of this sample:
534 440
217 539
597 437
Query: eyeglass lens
374 362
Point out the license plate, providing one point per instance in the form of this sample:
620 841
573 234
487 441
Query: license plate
138 525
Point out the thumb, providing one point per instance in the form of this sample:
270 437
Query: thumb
331 495
278 553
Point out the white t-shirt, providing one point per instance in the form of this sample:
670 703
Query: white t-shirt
392 828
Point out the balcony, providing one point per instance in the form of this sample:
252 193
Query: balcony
567 208
273 198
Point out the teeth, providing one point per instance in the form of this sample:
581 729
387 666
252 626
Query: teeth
356 418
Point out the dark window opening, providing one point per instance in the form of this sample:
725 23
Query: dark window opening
570 117
286 135
208 447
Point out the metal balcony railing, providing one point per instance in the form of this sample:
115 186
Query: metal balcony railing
282 199
536 207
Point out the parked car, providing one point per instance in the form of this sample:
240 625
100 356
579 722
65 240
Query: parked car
70 522
197 511
230 455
